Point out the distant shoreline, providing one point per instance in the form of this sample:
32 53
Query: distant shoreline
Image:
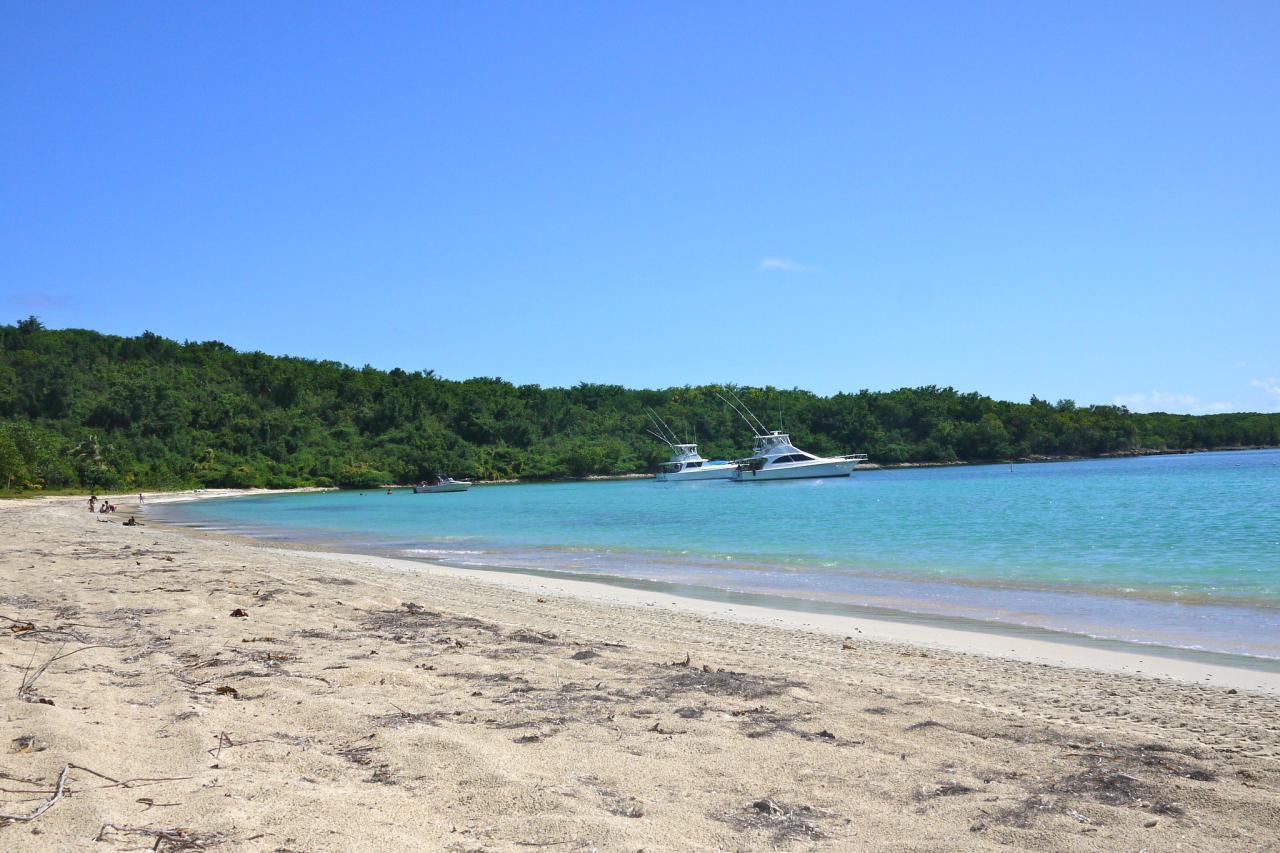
866 466
893 466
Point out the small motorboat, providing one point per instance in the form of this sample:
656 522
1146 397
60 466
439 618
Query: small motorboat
441 484
685 462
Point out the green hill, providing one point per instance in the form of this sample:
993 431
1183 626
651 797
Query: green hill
83 409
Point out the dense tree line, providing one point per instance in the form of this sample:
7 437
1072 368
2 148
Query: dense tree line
83 409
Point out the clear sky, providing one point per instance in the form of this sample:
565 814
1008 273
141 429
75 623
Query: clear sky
1071 200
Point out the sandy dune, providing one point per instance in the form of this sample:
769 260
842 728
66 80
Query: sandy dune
357 707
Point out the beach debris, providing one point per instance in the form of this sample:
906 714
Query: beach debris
585 654
405 718
381 775
361 755
240 613
657 729
537 638
27 687
149 803
28 743
18 626
173 839
228 690
630 807
825 735
1115 775
43 807
768 807
924 724
944 789
723 682
786 821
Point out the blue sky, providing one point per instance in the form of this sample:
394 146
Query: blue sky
1077 200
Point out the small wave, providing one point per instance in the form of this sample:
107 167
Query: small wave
437 552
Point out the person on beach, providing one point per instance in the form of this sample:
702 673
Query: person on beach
93 499
140 499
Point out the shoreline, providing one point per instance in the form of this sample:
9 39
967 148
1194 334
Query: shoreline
956 634
273 699
1155 662
987 628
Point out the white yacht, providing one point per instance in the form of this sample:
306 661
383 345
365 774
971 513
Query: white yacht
686 463
442 484
776 458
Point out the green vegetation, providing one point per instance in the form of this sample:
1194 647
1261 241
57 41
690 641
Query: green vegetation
83 409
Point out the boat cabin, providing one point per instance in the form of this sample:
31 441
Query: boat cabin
685 456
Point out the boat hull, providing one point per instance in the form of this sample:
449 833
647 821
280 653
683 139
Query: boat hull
797 471
706 472
448 487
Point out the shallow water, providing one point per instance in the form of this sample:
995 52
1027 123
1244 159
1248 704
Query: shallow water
1180 551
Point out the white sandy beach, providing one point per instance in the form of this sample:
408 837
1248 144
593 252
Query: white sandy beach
367 703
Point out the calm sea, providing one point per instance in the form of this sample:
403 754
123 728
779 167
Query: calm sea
1177 551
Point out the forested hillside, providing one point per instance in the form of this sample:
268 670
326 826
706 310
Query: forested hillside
79 408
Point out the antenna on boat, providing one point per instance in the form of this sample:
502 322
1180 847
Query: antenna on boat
661 431
763 430
757 428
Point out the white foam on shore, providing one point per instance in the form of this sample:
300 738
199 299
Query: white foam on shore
438 552
1045 652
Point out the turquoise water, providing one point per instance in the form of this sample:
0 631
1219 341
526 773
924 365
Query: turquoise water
1180 551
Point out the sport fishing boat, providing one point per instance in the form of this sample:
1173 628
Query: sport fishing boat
686 463
441 484
776 458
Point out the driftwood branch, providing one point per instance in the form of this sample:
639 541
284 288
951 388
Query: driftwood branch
128 783
176 838
30 676
47 804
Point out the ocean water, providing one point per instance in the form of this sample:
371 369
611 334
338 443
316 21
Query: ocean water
1174 551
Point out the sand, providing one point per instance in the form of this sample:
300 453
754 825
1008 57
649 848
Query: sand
371 704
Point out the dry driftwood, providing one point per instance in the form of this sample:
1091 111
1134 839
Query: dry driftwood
176 838
26 690
46 805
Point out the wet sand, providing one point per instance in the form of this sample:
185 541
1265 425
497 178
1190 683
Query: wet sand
364 703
